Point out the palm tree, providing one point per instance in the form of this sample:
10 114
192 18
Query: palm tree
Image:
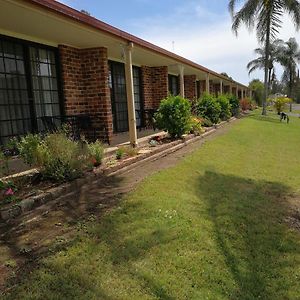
267 15
289 57
259 62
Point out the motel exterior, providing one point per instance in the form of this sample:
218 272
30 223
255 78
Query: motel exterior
56 61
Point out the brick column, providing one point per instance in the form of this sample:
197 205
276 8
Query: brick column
190 87
160 85
146 81
154 85
85 84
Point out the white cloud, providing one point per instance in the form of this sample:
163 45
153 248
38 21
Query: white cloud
206 38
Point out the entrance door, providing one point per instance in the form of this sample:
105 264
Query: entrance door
117 84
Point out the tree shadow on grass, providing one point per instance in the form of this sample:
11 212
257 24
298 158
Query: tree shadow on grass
247 219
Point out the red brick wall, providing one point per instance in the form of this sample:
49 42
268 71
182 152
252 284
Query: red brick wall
190 87
154 85
146 80
160 85
85 84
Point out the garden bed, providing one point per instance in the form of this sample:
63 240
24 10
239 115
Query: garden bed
35 195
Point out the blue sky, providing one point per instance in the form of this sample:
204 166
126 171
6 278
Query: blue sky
196 29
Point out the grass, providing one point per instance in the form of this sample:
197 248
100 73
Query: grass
210 228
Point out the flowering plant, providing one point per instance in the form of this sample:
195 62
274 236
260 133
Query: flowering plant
7 191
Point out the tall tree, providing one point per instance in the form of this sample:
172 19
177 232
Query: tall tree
267 16
259 62
289 57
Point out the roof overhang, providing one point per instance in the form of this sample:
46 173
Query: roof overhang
52 23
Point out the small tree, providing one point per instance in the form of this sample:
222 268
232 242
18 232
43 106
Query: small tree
174 115
280 102
208 108
258 91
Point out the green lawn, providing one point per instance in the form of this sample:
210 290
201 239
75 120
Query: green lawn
210 228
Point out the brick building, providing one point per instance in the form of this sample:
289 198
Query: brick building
56 61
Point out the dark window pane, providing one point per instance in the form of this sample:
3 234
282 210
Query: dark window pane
4 113
35 82
51 57
33 54
5 128
8 49
10 65
53 84
2 81
43 55
23 82
19 51
3 97
45 83
55 97
2 70
20 67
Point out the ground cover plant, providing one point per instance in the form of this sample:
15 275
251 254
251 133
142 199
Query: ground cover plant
58 157
213 227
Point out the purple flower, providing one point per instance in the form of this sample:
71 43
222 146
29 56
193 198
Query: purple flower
9 192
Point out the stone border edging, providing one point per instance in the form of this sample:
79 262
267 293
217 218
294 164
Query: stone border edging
51 194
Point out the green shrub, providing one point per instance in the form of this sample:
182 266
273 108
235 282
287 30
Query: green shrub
225 107
209 108
234 103
96 152
61 159
120 153
174 116
27 148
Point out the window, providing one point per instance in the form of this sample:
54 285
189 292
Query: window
117 83
173 85
28 87
44 84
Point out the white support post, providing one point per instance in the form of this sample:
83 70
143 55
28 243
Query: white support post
207 83
130 96
181 76
221 87
237 91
